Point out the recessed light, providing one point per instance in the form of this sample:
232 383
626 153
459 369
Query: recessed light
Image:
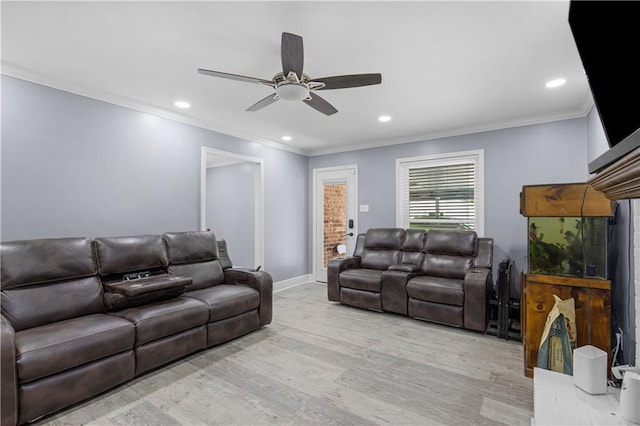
384 118
182 104
287 138
555 83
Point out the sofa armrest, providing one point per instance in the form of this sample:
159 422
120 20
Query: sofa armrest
259 280
404 267
336 266
476 288
8 387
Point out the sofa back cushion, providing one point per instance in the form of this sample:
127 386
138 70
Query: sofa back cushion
121 255
48 280
189 247
413 247
449 254
382 248
195 255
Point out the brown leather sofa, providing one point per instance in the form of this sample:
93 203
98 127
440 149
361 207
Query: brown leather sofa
80 316
441 276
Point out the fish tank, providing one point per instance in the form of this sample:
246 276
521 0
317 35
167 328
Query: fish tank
570 246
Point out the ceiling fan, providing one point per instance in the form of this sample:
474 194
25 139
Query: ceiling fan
293 85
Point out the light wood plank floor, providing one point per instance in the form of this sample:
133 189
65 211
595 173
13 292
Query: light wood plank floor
324 363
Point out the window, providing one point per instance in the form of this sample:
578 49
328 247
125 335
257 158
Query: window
441 191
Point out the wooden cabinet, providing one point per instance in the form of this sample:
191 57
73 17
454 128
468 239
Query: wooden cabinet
593 311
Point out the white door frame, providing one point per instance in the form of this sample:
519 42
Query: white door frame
259 196
351 169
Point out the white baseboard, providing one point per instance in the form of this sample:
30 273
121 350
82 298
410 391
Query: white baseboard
292 282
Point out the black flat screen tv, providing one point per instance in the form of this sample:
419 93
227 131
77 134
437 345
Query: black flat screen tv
607 35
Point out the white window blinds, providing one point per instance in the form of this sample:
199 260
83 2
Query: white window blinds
443 192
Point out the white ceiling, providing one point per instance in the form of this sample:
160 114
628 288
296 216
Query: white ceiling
447 67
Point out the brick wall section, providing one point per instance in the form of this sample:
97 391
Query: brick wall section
335 219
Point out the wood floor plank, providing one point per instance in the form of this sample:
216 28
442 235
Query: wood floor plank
320 362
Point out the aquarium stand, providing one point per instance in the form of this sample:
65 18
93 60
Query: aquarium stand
592 304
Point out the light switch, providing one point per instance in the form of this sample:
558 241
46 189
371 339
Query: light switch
364 208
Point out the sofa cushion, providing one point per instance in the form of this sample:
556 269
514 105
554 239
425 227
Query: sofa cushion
449 253
36 305
190 247
59 346
457 243
437 290
446 266
413 247
119 255
414 240
362 279
382 248
384 238
41 261
227 300
380 259
160 319
203 274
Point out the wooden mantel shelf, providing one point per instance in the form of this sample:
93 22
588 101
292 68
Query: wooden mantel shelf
621 180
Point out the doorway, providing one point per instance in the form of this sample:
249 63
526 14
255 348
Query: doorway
232 203
335 227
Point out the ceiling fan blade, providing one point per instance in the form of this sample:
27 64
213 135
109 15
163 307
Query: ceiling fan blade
317 103
292 54
263 103
346 81
235 77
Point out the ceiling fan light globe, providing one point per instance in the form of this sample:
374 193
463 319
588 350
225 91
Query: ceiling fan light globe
292 92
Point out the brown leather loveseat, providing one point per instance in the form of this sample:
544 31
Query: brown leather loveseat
440 275
80 316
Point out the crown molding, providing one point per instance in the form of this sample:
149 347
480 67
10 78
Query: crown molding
508 124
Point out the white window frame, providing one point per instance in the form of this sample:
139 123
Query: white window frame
403 165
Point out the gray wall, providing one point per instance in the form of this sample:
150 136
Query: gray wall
74 166
234 219
622 288
538 154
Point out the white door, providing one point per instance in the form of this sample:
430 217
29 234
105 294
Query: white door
335 221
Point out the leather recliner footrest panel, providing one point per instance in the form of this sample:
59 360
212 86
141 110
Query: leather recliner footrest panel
52 393
436 312
361 299
163 351
230 328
